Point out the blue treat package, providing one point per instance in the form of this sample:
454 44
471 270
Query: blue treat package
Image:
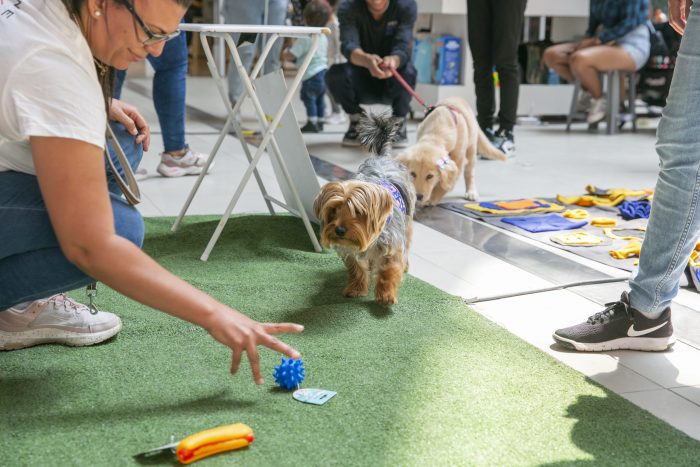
449 60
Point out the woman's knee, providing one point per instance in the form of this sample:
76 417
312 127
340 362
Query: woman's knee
128 222
579 60
552 57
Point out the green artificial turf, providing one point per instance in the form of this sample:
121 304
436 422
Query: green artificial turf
429 382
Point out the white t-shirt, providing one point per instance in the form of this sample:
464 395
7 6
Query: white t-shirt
48 82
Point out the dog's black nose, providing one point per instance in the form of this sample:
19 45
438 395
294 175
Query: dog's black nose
340 231
419 197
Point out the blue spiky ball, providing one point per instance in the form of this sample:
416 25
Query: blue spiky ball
289 373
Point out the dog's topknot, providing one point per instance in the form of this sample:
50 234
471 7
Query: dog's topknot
377 132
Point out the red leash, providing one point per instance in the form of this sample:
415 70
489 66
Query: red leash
408 88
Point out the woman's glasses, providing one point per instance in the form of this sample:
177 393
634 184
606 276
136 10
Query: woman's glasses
152 38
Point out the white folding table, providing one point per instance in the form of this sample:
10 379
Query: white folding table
274 33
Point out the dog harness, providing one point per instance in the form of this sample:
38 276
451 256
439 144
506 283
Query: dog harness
398 196
454 111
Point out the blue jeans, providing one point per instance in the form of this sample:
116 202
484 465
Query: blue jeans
674 224
253 12
312 93
32 265
169 89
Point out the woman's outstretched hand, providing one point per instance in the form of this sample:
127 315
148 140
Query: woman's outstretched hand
243 334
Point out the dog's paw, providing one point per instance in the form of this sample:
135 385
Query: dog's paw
354 292
386 298
471 195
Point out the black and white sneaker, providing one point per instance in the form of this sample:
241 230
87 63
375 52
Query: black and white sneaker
619 327
505 141
490 135
401 140
352 137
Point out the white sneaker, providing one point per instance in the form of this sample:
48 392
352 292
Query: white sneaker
57 319
583 104
598 111
336 118
191 163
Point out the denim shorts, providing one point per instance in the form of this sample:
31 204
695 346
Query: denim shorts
637 43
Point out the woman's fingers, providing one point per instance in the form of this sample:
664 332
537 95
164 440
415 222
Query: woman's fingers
280 328
678 13
254 360
140 124
279 346
236 360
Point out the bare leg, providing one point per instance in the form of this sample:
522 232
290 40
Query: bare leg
558 57
587 64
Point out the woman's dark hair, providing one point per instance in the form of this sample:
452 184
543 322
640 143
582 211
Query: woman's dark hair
105 72
317 13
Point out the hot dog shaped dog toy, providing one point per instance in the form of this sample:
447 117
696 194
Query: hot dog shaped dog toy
208 442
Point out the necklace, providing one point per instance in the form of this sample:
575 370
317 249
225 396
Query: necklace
101 67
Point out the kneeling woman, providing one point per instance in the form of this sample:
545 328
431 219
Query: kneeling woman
63 223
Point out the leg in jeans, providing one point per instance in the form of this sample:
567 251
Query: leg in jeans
308 98
481 39
320 80
32 265
253 12
169 90
509 24
674 224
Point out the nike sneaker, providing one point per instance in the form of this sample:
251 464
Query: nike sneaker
619 327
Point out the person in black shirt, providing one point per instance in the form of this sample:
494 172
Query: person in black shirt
494 28
374 35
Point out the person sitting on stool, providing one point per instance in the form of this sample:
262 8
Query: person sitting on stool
375 35
617 39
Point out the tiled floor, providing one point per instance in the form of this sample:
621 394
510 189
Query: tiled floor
549 161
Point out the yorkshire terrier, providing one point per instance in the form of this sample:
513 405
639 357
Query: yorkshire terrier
368 219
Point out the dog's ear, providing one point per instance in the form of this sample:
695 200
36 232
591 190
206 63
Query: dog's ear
402 158
328 191
448 174
382 207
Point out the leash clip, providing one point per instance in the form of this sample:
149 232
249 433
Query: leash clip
91 292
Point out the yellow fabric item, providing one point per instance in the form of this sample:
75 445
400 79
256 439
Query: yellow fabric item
591 200
610 232
614 192
603 222
576 214
577 238
599 197
552 208
517 204
631 249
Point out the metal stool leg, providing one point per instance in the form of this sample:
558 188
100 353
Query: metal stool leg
613 100
632 98
572 109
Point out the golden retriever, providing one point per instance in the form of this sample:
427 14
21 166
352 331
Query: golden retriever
447 142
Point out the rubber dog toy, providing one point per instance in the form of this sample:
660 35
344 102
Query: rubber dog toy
206 443
214 441
289 373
